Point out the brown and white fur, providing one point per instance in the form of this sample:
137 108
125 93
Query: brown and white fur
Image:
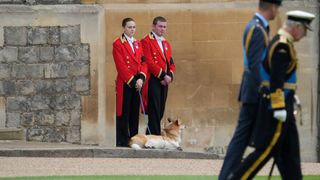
170 138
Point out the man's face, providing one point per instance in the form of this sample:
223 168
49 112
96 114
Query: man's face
301 31
160 28
274 11
130 28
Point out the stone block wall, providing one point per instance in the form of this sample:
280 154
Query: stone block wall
44 71
35 2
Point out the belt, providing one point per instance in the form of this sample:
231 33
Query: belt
286 85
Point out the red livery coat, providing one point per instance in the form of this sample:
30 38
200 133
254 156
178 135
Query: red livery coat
159 64
128 65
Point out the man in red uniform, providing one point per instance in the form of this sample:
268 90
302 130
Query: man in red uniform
157 51
132 70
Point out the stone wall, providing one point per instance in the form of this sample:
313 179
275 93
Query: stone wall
35 2
44 71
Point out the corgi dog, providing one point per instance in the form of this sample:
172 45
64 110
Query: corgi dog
170 138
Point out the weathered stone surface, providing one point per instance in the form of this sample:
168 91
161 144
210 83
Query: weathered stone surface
54 35
7 88
63 86
15 36
70 35
5 70
73 134
81 84
44 118
37 35
13 120
22 71
9 54
39 103
62 118
46 53
56 70
18 104
27 120
44 71
79 69
75 118
65 53
28 54
25 87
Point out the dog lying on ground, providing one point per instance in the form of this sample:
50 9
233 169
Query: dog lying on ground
170 138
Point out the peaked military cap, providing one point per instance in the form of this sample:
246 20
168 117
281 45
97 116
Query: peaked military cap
301 16
277 2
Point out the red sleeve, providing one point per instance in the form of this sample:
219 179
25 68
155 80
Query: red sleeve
172 66
119 60
144 66
155 69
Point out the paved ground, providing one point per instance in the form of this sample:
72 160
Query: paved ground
59 163
22 166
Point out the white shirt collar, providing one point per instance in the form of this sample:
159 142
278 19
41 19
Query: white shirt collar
264 21
131 39
159 38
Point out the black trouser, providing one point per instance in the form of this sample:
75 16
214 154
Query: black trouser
127 124
282 144
157 96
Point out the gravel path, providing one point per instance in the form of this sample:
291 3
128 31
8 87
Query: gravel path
17 166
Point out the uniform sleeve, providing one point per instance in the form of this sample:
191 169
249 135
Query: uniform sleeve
255 52
279 65
121 66
156 70
172 66
144 68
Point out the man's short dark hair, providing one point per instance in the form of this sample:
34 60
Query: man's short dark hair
264 5
157 19
125 20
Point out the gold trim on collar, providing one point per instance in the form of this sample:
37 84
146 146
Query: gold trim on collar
123 39
285 34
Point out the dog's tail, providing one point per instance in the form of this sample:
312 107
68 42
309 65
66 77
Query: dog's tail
138 141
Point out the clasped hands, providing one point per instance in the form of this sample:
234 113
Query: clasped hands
166 80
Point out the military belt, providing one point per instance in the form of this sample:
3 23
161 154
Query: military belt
286 85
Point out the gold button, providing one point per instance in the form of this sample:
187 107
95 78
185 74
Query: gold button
128 66
155 57
156 61
154 53
128 62
127 57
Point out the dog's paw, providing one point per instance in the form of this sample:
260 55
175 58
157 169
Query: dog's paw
179 148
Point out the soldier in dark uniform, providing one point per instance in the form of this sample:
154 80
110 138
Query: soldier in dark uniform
255 42
275 133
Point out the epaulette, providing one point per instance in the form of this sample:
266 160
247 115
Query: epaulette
123 39
283 39
151 36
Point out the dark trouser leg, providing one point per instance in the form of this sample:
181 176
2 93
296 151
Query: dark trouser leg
239 140
243 172
122 124
290 153
257 159
134 113
154 105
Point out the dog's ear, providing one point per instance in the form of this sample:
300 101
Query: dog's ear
178 122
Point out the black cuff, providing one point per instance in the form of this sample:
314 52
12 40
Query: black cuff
162 75
141 76
132 84
171 75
